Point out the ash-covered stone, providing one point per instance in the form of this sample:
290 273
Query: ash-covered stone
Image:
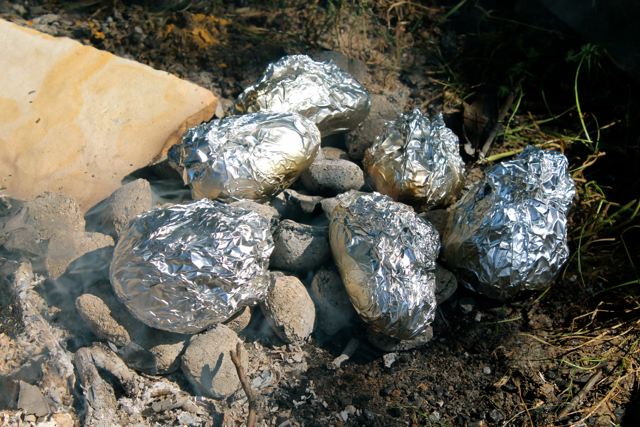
66 246
239 321
333 307
207 362
289 309
124 204
334 153
330 177
98 317
300 247
438 218
446 284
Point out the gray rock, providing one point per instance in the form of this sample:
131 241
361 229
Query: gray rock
330 177
207 363
389 344
355 67
268 211
240 320
334 153
125 204
383 109
51 212
333 307
446 284
164 170
65 246
97 316
289 309
292 204
328 205
31 400
224 107
300 247
438 218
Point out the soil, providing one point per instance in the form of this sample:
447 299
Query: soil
489 363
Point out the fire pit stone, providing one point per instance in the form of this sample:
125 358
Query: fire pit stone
333 308
207 363
289 309
124 204
330 177
300 247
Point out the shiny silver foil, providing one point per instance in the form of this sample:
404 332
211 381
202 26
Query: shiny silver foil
251 157
509 232
386 255
416 161
321 91
185 267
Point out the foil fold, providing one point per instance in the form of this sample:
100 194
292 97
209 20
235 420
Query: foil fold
321 91
416 161
509 232
386 255
251 157
186 267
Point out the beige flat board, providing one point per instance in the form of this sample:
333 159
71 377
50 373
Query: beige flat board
76 120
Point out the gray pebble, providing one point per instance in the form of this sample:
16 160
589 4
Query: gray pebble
124 204
97 316
289 309
333 307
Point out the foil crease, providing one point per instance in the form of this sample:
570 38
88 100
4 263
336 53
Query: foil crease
186 267
321 91
251 157
416 161
386 255
509 232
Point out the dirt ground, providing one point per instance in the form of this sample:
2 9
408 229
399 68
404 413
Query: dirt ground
573 346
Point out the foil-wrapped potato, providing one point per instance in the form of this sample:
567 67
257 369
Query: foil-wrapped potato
251 157
509 232
416 161
321 91
186 267
386 255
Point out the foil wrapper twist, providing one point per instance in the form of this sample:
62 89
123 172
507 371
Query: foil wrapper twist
509 232
386 255
185 267
321 91
251 157
416 161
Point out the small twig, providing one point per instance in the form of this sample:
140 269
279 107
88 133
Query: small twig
252 396
525 405
501 115
578 397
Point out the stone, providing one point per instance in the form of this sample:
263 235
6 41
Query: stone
289 310
268 211
67 246
51 212
330 177
334 153
239 321
334 310
383 109
328 205
299 247
77 119
355 67
296 206
438 218
207 364
390 344
31 400
446 284
124 204
97 316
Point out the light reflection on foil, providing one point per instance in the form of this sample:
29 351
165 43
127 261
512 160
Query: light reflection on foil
185 267
386 255
417 161
251 157
321 91
509 232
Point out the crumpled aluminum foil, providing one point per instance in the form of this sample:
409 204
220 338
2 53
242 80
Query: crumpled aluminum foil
321 91
416 161
185 267
386 255
251 157
509 232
